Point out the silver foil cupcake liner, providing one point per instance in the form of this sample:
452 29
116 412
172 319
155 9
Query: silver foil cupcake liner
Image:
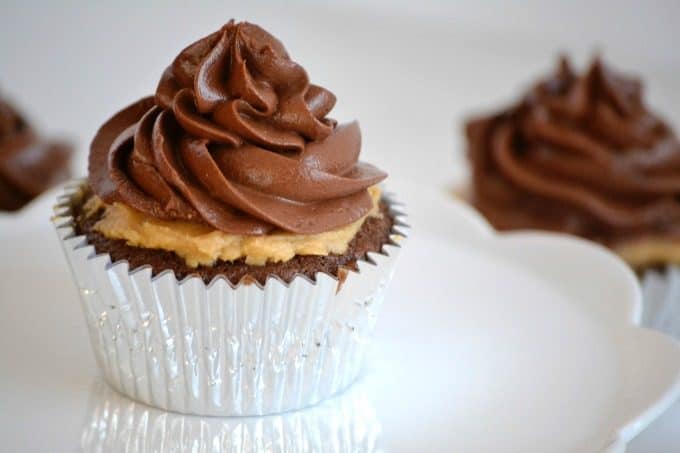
661 300
347 423
223 349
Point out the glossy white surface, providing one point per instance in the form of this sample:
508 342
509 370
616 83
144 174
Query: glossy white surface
520 343
409 76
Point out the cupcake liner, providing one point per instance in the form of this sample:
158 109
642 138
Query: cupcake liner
661 296
114 424
223 349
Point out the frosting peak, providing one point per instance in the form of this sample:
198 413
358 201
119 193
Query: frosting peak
239 85
235 137
581 154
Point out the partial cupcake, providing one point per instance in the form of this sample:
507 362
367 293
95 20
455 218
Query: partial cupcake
29 164
230 216
582 154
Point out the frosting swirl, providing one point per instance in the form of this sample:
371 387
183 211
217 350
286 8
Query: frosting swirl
28 164
236 137
580 154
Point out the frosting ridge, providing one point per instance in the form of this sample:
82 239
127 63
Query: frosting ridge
235 137
580 154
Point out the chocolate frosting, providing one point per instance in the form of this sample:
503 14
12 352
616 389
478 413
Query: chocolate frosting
28 164
580 154
238 138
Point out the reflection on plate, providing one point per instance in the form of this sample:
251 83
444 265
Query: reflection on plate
117 424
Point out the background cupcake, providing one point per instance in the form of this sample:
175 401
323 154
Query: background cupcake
230 248
29 165
582 154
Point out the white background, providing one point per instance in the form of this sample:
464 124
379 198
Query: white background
409 71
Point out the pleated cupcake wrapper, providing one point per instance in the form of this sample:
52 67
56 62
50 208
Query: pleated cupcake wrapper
223 349
220 349
661 298
347 423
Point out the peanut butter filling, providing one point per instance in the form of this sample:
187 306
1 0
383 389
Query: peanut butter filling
200 244
644 253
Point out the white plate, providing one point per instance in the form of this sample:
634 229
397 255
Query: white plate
514 343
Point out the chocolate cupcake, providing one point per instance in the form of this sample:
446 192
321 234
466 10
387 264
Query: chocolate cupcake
230 248
582 154
29 165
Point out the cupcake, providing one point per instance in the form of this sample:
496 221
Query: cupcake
582 154
29 165
230 249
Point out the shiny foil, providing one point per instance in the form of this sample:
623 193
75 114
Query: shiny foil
116 424
661 300
220 349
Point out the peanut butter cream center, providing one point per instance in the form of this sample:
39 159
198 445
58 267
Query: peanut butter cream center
199 244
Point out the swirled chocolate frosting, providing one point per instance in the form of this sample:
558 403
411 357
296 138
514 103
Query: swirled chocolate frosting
580 154
236 137
28 164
